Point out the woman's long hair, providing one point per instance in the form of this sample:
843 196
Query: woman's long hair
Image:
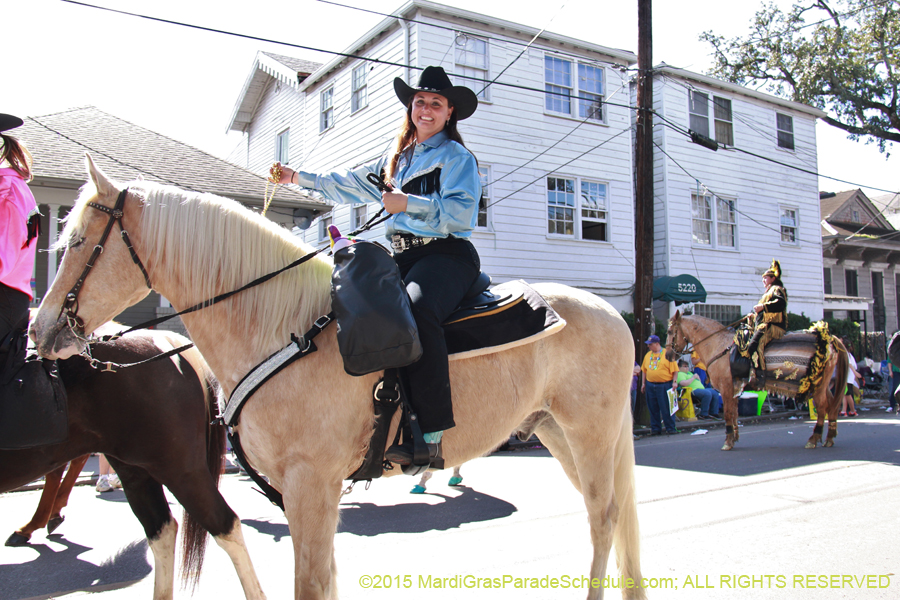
407 133
17 155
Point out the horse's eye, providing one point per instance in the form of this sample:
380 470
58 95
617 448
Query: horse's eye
77 243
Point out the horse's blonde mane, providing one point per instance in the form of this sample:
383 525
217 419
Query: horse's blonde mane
223 246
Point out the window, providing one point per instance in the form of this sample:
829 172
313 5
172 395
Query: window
827 273
713 221
698 109
850 281
282 142
472 61
723 313
560 206
594 217
586 220
358 94
324 222
562 87
785 126
358 215
484 174
326 109
854 216
788 225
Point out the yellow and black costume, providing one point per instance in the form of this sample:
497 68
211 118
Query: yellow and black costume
771 322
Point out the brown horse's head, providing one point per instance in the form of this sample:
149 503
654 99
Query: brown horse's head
675 340
81 299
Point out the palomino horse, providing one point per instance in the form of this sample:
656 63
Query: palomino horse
153 423
713 342
54 498
308 427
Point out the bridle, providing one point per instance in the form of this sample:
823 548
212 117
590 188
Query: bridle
676 330
70 306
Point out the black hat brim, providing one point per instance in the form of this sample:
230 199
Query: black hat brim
464 100
9 122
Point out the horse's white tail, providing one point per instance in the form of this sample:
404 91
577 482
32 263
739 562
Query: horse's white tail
627 536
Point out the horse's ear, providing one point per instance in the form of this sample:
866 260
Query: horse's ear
677 314
104 186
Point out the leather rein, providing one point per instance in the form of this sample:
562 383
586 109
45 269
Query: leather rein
671 346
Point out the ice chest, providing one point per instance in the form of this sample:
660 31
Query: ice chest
750 403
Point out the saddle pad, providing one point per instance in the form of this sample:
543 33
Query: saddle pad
794 363
522 317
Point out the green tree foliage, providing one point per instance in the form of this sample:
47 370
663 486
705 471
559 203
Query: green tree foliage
845 328
797 322
842 56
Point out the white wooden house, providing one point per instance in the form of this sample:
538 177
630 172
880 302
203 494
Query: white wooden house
723 215
559 174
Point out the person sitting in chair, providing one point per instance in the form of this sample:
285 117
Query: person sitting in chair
770 318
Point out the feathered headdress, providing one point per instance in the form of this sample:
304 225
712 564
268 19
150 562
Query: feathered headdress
774 270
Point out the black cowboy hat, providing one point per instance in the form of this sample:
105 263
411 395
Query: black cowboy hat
434 80
9 122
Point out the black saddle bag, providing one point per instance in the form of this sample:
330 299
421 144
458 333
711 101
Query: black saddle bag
33 408
740 365
376 329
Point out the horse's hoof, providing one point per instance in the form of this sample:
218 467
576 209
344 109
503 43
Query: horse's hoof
16 540
828 444
53 523
728 446
811 445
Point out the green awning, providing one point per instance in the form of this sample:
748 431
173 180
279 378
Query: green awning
679 289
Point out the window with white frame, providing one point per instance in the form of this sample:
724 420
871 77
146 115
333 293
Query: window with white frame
713 221
282 143
594 214
484 174
788 225
785 127
472 60
358 215
326 109
722 126
583 215
324 222
565 81
358 88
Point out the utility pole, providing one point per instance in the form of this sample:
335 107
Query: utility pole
643 184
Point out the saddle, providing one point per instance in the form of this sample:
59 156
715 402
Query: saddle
33 407
793 363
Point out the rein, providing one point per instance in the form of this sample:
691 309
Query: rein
70 306
695 344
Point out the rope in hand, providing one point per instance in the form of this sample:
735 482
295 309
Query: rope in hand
275 177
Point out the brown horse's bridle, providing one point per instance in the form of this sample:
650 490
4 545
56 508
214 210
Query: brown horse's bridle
70 306
670 345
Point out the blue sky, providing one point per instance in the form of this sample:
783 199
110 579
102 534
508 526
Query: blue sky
152 74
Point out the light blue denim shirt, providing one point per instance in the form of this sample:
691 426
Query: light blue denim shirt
449 210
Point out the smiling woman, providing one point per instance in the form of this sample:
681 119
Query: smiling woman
433 195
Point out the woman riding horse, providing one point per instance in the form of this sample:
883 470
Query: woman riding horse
434 212
770 320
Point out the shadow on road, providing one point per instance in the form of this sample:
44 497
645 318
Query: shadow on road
56 573
368 519
772 447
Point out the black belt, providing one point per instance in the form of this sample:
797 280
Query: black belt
401 242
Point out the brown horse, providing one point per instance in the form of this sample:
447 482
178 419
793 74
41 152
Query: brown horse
713 341
308 427
153 423
54 498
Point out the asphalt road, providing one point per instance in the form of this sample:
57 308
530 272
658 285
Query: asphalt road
768 520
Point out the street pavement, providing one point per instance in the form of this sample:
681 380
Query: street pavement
767 520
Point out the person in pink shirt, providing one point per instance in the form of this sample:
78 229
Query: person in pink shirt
19 228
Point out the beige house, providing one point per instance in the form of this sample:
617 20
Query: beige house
125 151
861 262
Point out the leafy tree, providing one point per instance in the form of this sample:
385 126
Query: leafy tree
797 322
842 56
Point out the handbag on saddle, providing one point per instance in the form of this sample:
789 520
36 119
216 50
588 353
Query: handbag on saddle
33 408
376 329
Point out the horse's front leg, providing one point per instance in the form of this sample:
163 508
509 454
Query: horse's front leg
832 432
311 499
731 415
